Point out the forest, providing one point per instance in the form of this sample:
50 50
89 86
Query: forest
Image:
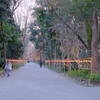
67 29
11 46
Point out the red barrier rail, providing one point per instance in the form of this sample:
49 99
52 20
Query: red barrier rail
16 61
68 63
68 60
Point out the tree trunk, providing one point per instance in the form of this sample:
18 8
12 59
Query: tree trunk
51 49
95 59
55 51
89 33
3 41
4 51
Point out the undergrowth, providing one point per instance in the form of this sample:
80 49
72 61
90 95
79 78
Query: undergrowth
83 73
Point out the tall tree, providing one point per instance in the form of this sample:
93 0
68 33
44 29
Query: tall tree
43 29
13 42
87 12
90 12
76 14
4 13
95 59
23 19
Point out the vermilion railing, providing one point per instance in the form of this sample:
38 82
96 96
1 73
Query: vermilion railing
16 61
68 62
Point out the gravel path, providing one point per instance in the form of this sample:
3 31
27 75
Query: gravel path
31 82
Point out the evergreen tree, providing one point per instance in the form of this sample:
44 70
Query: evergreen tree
4 14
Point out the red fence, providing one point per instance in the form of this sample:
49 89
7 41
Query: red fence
68 62
16 61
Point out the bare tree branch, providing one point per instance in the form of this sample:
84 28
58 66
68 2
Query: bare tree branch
15 5
61 19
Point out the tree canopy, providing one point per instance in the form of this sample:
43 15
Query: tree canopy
70 25
10 33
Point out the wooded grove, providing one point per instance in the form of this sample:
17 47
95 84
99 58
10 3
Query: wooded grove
65 28
10 34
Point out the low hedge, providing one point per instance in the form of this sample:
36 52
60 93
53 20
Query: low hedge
84 74
17 65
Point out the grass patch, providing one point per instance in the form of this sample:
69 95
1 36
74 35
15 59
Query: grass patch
17 65
1 69
85 74
95 77
82 73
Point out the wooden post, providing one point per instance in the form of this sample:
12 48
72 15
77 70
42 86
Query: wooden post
79 65
64 66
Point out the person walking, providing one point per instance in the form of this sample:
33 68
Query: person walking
40 64
8 68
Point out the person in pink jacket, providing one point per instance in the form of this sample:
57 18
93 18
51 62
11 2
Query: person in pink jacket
8 68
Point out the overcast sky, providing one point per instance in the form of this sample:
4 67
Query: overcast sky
23 11
21 14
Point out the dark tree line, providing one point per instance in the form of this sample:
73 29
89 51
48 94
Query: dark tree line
10 43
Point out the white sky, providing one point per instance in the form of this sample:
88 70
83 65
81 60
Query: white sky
21 13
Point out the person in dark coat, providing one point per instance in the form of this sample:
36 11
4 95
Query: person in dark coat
40 64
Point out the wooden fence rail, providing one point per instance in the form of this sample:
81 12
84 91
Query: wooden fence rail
17 61
68 63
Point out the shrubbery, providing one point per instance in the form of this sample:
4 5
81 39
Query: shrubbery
17 65
95 77
1 61
80 73
84 74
